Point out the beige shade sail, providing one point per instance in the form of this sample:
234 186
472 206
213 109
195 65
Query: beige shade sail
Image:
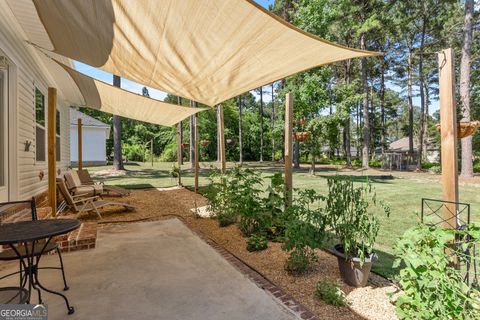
107 98
203 50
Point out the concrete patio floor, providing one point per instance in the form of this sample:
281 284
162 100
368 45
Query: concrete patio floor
155 270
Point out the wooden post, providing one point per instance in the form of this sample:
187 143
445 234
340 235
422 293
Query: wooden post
448 127
221 138
52 140
288 148
80 143
179 152
196 153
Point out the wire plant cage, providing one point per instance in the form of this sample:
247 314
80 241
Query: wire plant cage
465 248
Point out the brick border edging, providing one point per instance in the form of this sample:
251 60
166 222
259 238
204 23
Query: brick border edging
259 279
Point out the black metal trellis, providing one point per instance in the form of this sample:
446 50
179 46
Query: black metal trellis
465 248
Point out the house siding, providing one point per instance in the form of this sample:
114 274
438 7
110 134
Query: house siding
29 74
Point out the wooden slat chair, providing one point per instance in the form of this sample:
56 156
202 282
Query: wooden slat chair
10 254
82 203
86 179
75 186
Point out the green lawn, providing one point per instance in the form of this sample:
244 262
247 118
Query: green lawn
403 193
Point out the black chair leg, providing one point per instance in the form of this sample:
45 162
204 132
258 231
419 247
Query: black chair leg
63 271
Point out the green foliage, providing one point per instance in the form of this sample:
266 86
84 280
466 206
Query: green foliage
237 196
133 152
330 292
257 243
375 163
349 214
300 261
432 287
476 166
436 169
429 165
169 154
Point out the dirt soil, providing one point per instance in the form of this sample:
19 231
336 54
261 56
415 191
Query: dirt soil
152 204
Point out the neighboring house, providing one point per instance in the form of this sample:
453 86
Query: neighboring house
25 75
398 155
94 136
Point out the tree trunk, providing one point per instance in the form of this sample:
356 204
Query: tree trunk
296 155
312 151
410 104
422 98
272 120
117 135
261 124
192 138
346 128
240 129
382 110
465 65
366 122
427 103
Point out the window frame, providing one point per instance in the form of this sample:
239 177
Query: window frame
39 88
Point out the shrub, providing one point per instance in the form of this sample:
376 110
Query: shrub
300 260
330 292
436 169
257 243
169 153
375 163
476 166
432 287
347 212
236 196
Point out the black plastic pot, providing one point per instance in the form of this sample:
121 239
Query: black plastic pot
351 270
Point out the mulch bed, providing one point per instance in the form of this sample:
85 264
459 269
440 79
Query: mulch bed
154 204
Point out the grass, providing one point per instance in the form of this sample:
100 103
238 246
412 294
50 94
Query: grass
402 191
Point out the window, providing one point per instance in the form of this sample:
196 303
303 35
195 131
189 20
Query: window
57 144
39 125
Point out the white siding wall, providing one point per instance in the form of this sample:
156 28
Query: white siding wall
29 74
94 147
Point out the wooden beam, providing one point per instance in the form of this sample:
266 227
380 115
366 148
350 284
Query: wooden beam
448 123
52 140
221 138
80 143
196 153
288 148
179 152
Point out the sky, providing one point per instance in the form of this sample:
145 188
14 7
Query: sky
159 95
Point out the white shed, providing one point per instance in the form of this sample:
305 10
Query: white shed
94 136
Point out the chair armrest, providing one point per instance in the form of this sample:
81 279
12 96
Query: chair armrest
82 200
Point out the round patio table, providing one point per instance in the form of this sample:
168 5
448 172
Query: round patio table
29 234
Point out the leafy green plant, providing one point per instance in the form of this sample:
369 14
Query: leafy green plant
300 260
330 292
433 288
476 166
348 213
375 163
304 230
257 243
436 169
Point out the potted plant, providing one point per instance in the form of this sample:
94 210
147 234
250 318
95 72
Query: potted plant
205 142
355 226
300 133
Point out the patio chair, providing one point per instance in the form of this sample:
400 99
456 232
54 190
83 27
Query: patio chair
84 203
86 179
75 186
10 254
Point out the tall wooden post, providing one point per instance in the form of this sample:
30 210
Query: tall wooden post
52 140
448 127
80 143
221 138
179 152
288 148
196 153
